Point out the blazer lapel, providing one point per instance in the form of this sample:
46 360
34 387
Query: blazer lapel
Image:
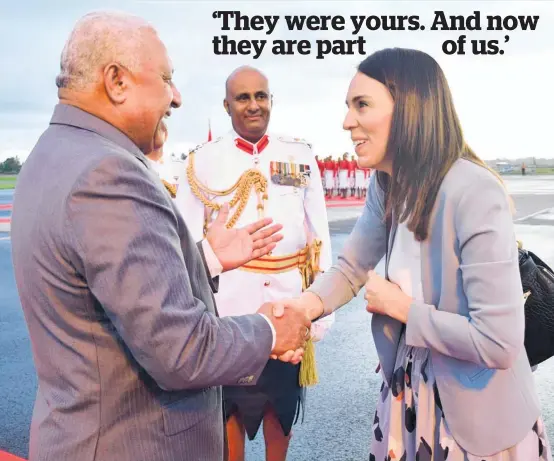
386 330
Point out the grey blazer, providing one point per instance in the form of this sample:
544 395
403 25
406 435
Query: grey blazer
472 317
128 349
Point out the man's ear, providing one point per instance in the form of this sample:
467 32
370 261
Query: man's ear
226 105
117 81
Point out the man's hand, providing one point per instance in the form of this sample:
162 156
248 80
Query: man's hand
292 328
236 247
312 305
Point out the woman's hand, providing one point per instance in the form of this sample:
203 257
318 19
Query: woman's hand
312 305
386 298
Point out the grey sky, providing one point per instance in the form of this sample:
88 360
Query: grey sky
504 101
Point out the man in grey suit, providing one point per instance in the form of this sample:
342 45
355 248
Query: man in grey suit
128 348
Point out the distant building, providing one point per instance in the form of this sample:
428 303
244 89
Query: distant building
504 167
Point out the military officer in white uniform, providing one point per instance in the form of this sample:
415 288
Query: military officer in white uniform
261 175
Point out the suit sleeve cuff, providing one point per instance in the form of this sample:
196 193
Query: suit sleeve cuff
321 327
418 324
272 331
214 266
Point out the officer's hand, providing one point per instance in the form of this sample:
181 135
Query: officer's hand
236 247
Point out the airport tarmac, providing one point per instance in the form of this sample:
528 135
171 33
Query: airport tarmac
339 411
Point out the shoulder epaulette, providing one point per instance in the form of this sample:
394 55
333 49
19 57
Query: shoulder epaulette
295 140
213 141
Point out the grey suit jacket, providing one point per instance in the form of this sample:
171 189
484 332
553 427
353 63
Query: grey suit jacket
128 348
472 317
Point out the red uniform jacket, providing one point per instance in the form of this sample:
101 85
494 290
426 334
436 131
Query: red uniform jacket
344 164
330 165
352 166
321 166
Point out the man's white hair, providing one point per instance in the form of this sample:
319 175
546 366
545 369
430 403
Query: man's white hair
97 39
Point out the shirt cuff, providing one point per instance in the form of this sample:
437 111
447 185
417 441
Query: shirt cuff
272 330
213 263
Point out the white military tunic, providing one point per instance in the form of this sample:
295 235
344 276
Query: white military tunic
218 165
164 169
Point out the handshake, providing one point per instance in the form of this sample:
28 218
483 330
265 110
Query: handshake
292 321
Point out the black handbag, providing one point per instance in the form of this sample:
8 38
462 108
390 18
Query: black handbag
538 288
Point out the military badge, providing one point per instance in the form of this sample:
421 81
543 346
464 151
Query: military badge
290 174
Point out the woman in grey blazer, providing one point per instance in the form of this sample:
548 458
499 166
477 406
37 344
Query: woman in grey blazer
446 298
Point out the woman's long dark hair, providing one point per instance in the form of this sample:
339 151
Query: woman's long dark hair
425 137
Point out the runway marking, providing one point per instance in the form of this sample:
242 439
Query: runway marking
532 215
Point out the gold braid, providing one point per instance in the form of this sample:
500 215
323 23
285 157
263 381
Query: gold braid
250 178
170 188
